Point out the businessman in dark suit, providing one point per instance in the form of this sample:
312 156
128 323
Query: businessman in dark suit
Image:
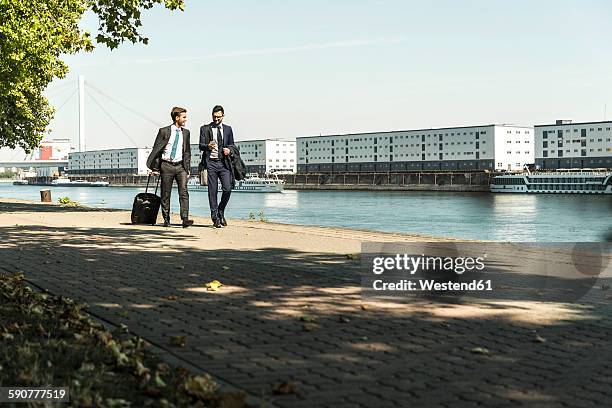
215 139
171 158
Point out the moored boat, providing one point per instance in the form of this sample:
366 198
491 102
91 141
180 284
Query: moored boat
562 181
66 182
252 183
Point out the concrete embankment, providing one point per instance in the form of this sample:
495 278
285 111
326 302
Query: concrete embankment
418 181
388 187
450 181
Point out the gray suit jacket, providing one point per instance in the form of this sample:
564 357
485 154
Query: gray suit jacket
163 135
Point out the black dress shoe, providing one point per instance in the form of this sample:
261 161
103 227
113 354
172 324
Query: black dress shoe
187 223
222 221
216 224
166 223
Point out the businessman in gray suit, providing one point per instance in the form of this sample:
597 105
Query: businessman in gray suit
171 158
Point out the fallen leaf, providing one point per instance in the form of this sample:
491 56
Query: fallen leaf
480 350
178 341
310 327
539 339
7 336
87 367
172 297
285 388
117 402
201 386
140 369
158 381
214 285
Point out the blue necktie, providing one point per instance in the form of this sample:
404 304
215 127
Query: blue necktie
175 145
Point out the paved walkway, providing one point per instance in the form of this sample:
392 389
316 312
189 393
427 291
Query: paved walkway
291 310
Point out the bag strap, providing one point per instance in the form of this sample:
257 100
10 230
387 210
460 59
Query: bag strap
148 178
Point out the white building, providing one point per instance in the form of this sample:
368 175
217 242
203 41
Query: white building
269 155
574 145
491 147
259 156
129 161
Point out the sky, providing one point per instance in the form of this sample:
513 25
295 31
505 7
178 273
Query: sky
284 69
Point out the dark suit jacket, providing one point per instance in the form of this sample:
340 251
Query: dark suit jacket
206 135
161 141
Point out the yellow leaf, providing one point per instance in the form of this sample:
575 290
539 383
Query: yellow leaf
214 285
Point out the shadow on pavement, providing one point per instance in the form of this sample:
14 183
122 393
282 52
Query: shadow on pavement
283 315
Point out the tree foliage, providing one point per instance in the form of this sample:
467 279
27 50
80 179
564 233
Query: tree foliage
34 35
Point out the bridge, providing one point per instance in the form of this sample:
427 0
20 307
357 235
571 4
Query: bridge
36 164
101 100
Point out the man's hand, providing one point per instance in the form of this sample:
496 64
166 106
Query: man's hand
212 145
226 151
154 173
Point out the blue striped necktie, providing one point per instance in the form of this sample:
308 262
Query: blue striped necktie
175 145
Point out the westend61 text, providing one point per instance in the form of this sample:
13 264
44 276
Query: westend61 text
431 285
412 264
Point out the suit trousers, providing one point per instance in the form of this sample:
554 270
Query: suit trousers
170 172
218 171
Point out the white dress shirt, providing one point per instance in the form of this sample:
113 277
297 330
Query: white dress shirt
214 154
179 148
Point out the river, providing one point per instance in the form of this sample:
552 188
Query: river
500 217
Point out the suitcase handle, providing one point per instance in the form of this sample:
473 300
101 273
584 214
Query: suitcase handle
156 185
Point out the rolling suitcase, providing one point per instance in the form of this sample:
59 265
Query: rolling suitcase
146 206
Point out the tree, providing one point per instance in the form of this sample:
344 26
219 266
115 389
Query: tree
34 34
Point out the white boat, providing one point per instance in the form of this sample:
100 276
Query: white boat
562 181
20 183
66 182
252 183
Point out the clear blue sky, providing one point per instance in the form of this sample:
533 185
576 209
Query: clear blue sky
296 68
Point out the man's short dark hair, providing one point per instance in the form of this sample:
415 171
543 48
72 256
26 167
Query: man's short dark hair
176 112
218 108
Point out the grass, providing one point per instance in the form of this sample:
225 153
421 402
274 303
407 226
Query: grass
47 341
260 214
68 202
